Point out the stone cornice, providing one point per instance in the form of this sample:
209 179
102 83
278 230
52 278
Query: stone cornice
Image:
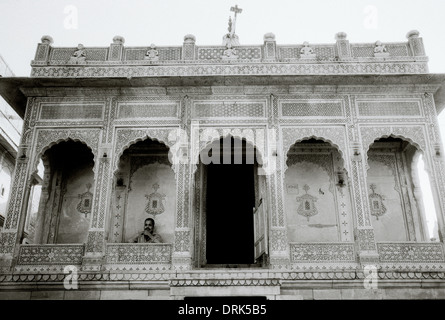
242 90
15 90
232 69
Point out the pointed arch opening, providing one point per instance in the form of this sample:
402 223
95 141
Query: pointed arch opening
397 192
144 187
316 193
66 197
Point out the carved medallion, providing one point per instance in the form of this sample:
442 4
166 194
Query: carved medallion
307 204
86 201
155 205
376 202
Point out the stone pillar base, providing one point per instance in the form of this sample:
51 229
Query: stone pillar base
6 263
369 258
279 262
182 263
92 262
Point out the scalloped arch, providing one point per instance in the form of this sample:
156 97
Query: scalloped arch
124 147
223 136
401 137
393 135
44 148
317 138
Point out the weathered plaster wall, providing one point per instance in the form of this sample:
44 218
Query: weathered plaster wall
390 226
322 226
74 225
5 186
142 185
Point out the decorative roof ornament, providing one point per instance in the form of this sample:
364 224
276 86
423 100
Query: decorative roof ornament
236 10
152 54
307 52
79 56
231 39
380 50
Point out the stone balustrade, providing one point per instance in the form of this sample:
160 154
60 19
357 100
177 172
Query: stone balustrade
138 253
50 254
340 57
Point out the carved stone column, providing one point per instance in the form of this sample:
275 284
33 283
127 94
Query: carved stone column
182 249
9 235
184 173
17 204
364 232
95 246
279 243
434 158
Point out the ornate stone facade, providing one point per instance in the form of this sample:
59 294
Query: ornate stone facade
319 108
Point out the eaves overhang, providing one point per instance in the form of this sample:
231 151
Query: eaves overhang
16 90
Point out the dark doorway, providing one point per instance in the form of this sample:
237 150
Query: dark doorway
230 201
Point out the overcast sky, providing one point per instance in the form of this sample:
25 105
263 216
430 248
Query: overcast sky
165 22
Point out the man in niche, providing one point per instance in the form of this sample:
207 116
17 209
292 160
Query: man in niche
148 235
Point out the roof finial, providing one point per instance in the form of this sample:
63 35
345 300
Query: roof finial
230 25
236 10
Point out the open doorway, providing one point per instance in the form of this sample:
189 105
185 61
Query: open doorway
228 200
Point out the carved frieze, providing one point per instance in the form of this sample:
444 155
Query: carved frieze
50 254
314 108
238 69
138 253
411 252
71 111
322 252
389 108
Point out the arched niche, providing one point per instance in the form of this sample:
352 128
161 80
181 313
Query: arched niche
395 196
316 193
66 199
144 187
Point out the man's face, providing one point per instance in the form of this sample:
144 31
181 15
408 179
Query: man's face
148 226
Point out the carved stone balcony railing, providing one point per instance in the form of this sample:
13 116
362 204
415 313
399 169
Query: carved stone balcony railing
422 252
328 252
138 253
340 57
50 254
